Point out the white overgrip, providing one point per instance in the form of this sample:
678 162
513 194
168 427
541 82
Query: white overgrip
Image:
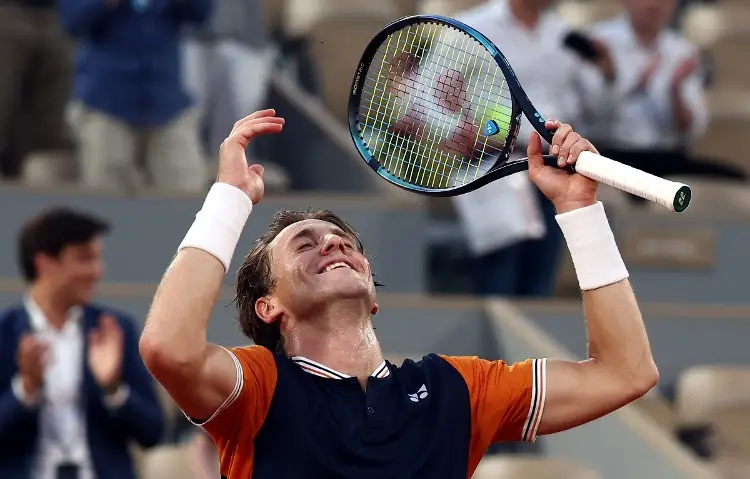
673 195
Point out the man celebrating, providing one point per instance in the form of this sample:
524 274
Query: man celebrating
315 398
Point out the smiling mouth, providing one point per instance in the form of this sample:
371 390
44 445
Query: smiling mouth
337 265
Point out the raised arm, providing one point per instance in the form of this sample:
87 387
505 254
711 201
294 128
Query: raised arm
620 367
198 375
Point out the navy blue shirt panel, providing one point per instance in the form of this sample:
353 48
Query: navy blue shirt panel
413 424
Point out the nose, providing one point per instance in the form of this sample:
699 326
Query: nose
331 242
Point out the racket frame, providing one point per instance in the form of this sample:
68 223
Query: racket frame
675 196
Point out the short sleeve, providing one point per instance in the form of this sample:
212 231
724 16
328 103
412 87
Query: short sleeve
507 401
235 424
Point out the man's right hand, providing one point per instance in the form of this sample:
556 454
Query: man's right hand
32 355
233 167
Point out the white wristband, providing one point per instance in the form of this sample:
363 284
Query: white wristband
592 246
218 225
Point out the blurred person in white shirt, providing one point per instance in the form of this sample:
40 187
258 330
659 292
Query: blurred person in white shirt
654 103
228 65
202 455
510 225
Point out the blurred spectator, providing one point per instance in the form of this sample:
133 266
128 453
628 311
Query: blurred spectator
227 70
73 389
654 102
204 458
35 82
129 103
510 225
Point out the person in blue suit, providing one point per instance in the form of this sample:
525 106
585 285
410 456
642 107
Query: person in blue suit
74 393
128 94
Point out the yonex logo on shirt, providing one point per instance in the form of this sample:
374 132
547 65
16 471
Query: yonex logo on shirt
421 394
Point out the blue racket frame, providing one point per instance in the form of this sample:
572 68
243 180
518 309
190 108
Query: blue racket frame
520 100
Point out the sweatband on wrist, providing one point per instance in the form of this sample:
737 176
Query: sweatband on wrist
592 246
219 224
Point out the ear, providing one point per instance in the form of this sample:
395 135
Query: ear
375 309
42 263
267 310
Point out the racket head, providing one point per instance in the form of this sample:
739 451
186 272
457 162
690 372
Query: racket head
434 107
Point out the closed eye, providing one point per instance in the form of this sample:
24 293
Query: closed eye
304 246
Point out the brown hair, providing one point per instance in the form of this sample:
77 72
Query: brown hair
254 278
51 231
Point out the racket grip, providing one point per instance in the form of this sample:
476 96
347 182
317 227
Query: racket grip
673 195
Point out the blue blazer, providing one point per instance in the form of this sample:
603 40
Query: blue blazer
108 432
128 60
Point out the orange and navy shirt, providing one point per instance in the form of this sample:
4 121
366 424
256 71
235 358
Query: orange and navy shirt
295 418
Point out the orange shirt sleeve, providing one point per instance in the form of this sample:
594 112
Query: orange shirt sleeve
235 424
507 400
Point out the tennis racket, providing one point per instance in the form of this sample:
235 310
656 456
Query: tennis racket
435 108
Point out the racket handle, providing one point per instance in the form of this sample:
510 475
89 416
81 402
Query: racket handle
675 196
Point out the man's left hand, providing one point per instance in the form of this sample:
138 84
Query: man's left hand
566 191
106 353
683 71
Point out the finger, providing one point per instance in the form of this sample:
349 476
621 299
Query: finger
44 357
41 352
27 341
559 137
107 321
263 126
268 119
244 135
579 147
570 140
257 121
534 153
257 169
253 116
33 347
552 125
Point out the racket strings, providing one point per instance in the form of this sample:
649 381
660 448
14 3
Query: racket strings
444 90
427 97
404 168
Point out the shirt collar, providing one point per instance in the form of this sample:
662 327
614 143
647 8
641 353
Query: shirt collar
317 369
38 320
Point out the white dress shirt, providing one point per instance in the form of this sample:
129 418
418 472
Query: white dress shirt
507 211
62 437
643 119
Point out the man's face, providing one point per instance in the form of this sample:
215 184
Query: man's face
75 272
651 15
314 263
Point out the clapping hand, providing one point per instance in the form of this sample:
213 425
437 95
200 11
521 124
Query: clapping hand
105 353
32 358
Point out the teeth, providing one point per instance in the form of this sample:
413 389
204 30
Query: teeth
333 266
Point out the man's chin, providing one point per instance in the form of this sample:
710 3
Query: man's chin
85 297
347 291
